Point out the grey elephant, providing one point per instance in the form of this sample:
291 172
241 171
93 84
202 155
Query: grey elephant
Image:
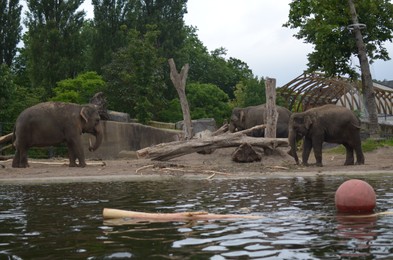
52 123
328 123
245 118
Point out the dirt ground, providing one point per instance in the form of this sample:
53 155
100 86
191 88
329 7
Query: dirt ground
198 166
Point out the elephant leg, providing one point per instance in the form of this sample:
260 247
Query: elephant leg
75 151
82 162
307 145
80 155
71 156
349 154
16 162
20 159
317 147
359 155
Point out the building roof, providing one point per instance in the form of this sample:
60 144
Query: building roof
311 90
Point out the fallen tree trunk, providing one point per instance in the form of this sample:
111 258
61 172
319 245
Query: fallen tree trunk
6 138
181 216
167 151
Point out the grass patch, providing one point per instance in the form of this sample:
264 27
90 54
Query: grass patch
368 145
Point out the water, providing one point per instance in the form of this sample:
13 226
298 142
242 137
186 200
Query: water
64 221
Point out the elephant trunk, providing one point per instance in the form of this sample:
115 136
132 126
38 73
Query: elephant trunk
292 143
99 136
232 128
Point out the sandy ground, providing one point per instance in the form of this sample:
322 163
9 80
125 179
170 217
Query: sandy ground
198 166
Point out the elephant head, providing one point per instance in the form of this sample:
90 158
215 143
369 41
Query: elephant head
299 126
237 120
91 124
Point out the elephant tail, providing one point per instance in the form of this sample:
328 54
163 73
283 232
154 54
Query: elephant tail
13 140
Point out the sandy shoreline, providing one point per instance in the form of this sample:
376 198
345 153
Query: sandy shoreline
193 166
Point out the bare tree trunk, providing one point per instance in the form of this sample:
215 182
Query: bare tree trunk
6 138
179 81
367 83
271 110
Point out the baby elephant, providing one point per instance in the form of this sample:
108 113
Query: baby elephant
328 123
52 123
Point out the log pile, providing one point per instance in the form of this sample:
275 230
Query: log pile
167 151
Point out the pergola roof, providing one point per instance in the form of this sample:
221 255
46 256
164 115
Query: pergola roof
310 90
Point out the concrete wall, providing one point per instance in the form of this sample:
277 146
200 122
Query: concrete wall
120 136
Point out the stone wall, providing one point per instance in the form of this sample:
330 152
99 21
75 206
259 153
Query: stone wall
120 136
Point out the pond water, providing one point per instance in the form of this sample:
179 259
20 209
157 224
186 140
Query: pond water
64 221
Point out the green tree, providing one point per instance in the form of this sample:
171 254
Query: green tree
325 25
134 77
208 101
7 90
212 67
80 89
10 29
112 19
167 15
205 101
13 99
53 43
250 92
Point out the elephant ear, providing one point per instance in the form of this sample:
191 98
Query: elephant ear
242 118
84 113
307 121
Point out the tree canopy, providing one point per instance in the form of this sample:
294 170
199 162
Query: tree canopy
52 42
325 25
134 76
122 51
10 29
80 89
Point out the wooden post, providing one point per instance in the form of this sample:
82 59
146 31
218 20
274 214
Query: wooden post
179 81
271 110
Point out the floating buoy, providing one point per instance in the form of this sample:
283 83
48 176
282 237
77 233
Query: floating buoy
355 196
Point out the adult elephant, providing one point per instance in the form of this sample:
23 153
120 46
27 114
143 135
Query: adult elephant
328 123
52 123
245 118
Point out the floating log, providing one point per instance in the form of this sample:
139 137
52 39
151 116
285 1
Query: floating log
180 216
167 151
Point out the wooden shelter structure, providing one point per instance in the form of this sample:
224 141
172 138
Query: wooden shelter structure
311 90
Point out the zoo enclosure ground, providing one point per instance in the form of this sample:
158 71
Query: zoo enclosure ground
198 166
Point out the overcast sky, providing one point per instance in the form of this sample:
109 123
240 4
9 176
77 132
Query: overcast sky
251 30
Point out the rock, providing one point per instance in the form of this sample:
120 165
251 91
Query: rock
127 154
245 153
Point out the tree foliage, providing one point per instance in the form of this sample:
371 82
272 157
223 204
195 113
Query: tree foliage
111 21
135 78
7 88
325 24
53 44
208 101
205 101
127 43
10 29
13 98
80 89
250 92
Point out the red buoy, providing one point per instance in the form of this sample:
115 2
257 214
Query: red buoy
355 196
